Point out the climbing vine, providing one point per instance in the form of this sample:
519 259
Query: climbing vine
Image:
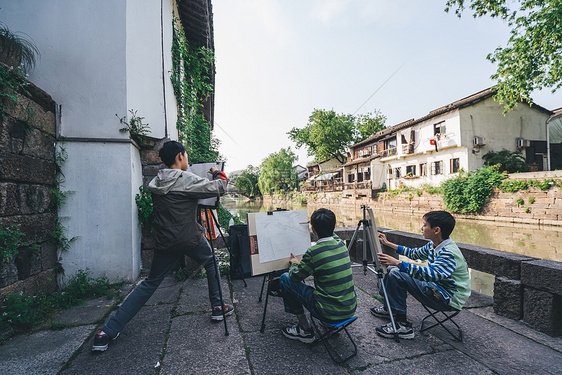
192 86
58 236
11 79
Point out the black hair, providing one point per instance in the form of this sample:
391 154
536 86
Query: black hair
323 221
169 151
441 219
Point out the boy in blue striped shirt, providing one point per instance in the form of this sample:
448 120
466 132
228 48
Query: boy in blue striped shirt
443 284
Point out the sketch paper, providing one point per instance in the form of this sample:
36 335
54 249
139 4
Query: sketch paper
281 233
202 170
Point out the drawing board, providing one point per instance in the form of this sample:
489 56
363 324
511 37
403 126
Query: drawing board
274 236
202 170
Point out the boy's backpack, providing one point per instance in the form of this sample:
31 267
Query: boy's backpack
240 262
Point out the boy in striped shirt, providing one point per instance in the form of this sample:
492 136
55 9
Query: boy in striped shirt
333 298
443 284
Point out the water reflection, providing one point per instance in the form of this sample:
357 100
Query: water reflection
526 239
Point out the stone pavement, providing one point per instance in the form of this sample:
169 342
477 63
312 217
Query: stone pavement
173 334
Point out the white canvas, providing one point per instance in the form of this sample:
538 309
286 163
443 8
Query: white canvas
281 233
202 170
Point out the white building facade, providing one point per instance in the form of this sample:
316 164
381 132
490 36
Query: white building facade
431 149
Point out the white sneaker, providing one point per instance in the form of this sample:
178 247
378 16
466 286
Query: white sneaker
405 331
296 332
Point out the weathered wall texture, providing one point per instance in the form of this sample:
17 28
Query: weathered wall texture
27 175
151 164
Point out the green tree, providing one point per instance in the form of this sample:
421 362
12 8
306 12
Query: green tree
328 134
532 59
247 182
368 124
507 160
277 172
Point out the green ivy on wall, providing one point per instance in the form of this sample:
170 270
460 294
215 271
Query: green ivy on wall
13 79
192 87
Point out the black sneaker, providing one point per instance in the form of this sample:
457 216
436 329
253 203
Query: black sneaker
296 332
217 311
405 330
101 341
381 312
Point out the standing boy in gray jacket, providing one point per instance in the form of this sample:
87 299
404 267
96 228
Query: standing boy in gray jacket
175 195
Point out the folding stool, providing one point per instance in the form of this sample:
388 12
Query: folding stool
332 329
441 317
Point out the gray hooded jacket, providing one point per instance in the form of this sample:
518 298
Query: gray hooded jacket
175 194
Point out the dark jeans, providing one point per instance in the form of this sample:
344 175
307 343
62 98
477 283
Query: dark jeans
161 265
399 284
297 296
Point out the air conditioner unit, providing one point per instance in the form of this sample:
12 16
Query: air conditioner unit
523 143
478 141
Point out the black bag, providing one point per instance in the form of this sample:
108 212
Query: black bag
240 262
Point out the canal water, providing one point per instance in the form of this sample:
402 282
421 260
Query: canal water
543 242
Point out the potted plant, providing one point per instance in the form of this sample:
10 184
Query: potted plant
16 50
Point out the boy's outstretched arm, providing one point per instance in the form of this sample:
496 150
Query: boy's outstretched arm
386 242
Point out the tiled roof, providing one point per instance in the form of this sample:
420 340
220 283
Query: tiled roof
469 100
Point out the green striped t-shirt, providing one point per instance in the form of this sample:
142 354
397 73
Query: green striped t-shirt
328 262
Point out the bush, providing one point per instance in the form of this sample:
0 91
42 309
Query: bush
21 312
469 191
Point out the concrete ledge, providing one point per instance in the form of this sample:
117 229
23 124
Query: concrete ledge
543 275
542 310
508 298
495 262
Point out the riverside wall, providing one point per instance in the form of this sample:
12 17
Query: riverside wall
27 181
546 208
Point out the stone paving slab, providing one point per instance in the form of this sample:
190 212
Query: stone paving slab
89 313
42 352
502 350
136 351
195 296
448 362
167 292
197 345
271 353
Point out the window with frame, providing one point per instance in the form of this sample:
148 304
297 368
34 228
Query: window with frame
350 178
439 128
437 167
410 170
391 143
390 175
455 165
423 169
397 172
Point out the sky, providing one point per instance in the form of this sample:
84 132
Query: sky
278 60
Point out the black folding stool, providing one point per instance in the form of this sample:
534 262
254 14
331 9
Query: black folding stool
330 330
441 317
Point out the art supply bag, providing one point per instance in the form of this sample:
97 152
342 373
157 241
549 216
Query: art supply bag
240 262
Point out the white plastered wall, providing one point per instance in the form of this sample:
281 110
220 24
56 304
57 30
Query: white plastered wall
98 59
485 119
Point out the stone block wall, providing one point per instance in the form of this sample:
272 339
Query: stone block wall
27 177
151 164
546 208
